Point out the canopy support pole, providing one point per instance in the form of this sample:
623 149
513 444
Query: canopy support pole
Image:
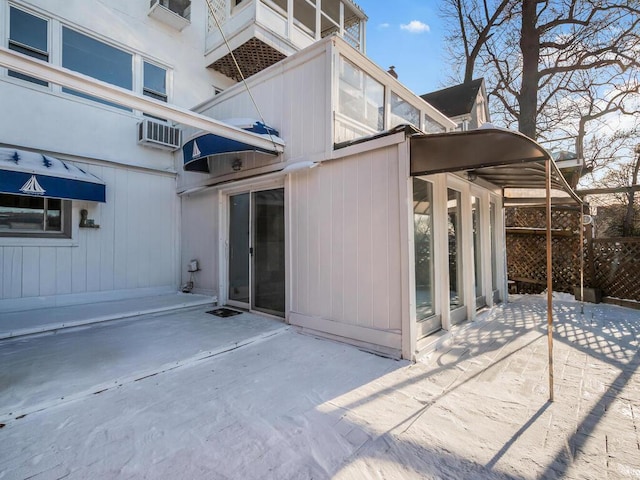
547 165
581 260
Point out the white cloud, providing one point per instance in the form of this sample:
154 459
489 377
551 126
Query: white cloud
415 26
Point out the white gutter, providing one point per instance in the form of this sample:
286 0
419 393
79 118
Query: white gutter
105 91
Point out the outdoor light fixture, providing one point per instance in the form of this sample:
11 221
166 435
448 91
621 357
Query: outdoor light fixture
237 165
472 176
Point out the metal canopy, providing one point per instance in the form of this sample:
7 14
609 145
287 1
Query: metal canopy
504 158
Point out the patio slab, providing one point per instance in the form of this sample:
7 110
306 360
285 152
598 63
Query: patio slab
295 407
41 371
28 322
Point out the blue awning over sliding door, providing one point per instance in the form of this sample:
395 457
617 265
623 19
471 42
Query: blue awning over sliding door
199 148
35 174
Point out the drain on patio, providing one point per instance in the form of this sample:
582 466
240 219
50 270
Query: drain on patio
224 312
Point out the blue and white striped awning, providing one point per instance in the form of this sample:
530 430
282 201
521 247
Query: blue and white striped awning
34 174
201 146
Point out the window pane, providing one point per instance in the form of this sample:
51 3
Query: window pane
21 213
403 112
155 80
456 297
361 98
54 214
494 256
28 29
431 126
96 59
28 35
423 244
475 217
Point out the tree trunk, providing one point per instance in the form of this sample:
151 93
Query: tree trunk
530 48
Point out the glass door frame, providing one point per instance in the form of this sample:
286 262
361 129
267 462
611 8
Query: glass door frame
464 311
224 203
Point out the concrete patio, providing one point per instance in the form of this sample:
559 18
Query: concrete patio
279 404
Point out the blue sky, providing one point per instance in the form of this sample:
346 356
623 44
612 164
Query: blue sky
409 35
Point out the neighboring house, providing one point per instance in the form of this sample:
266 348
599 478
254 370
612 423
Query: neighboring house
466 104
360 230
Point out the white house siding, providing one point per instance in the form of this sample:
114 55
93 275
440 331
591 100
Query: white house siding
293 97
134 248
200 239
346 248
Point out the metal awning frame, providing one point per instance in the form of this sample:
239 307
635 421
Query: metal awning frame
506 159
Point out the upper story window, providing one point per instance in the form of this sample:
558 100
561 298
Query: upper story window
360 97
37 216
28 35
155 82
403 112
96 59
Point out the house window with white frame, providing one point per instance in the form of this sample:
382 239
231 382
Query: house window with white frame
28 34
360 97
34 216
402 112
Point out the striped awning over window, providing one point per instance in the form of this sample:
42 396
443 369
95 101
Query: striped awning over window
34 174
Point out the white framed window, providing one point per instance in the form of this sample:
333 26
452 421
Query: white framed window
154 80
31 216
81 52
360 97
402 112
29 35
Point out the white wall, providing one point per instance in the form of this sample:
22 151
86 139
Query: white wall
346 248
134 248
137 245
293 96
200 218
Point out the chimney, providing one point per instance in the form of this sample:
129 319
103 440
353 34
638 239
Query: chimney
392 72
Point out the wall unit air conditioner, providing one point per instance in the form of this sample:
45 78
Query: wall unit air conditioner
153 133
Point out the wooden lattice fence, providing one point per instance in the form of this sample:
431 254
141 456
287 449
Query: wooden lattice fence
616 266
527 248
611 264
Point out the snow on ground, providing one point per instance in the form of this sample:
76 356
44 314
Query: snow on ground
290 406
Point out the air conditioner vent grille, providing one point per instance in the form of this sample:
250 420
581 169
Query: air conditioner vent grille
159 135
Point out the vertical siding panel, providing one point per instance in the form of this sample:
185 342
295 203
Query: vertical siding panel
63 270
47 271
325 233
303 241
30 271
366 202
337 288
79 261
351 240
121 202
396 209
148 239
164 217
94 242
107 233
132 232
381 224
315 264
12 272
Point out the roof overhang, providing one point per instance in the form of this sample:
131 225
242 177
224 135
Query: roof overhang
507 159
